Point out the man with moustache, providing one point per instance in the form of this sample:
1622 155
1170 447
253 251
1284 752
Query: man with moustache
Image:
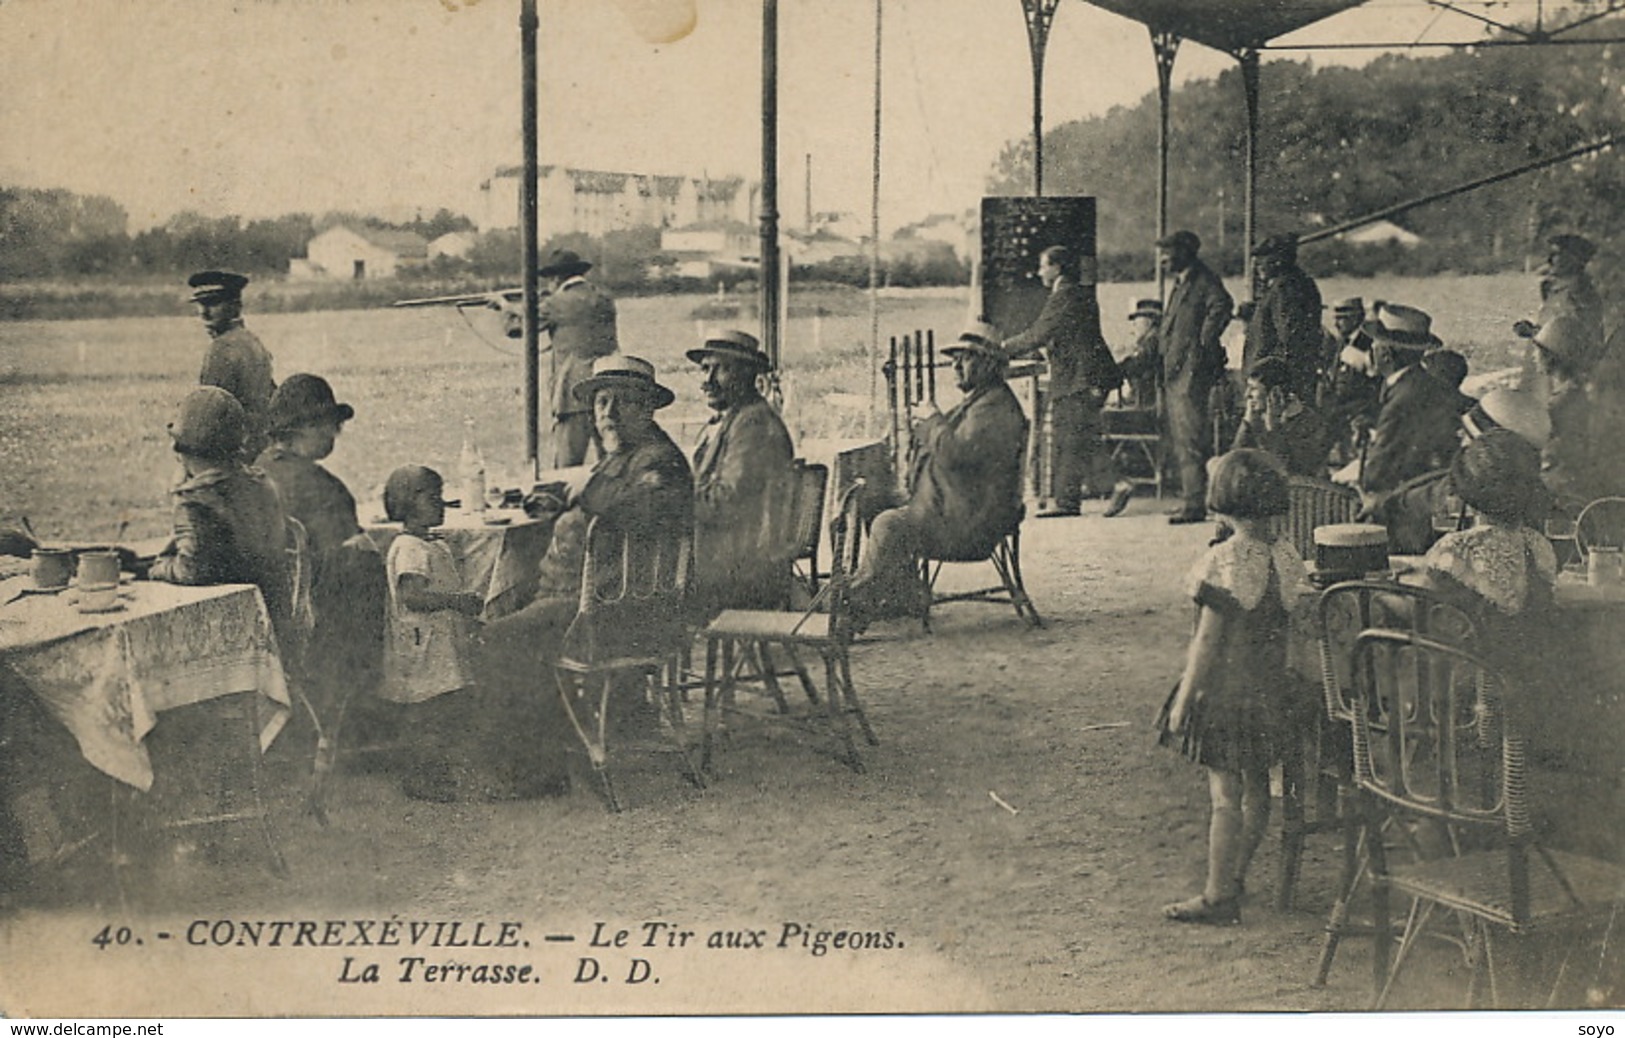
1197 313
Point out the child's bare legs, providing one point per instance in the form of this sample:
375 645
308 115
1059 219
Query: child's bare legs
1219 901
1255 818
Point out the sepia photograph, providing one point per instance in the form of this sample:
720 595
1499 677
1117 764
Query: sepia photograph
713 508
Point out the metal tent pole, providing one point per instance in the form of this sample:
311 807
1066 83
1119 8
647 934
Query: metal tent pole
528 231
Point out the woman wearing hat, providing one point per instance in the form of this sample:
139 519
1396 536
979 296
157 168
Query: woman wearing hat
349 588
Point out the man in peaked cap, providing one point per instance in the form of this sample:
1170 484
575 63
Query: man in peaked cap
236 360
1081 373
744 472
966 482
1285 321
1350 383
1566 290
579 318
1198 311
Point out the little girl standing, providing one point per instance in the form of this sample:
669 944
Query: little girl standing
429 624
1234 705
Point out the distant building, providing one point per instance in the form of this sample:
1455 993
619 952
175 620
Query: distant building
718 248
361 253
951 230
594 202
453 245
1382 232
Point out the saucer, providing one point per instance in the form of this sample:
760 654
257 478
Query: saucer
496 520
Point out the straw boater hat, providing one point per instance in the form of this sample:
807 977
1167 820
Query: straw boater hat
1151 308
734 344
304 400
210 286
1515 410
623 369
563 263
978 338
1403 326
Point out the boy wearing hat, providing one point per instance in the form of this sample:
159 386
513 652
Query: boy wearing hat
642 487
579 318
1193 360
743 481
236 360
966 480
1285 321
229 524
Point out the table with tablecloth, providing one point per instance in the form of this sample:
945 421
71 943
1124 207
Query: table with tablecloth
107 676
498 554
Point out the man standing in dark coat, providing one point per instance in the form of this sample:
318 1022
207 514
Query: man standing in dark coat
579 318
1081 373
1285 321
236 360
1197 313
966 488
1418 415
744 473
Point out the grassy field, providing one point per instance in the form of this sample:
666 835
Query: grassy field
83 404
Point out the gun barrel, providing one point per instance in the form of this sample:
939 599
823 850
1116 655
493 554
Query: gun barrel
480 299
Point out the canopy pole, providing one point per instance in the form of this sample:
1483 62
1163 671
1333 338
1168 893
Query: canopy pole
1040 15
1249 86
1164 47
768 279
528 232
874 248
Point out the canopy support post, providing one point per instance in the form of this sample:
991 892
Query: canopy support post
1040 15
1248 57
529 230
768 277
1164 47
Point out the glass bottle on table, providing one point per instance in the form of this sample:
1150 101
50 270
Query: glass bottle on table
472 470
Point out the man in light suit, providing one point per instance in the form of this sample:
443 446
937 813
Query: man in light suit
744 471
579 318
1081 373
1198 311
966 487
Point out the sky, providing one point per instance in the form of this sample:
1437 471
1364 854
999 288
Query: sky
264 107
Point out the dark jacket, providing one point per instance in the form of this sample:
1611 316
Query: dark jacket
1415 430
743 493
239 363
967 486
580 321
1197 313
1300 441
230 529
1286 324
1068 331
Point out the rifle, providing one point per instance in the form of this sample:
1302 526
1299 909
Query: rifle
512 295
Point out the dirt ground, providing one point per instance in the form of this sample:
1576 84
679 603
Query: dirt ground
1015 833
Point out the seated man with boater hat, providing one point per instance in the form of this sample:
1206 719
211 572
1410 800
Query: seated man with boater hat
641 487
966 482
236 360
1416 419
743 482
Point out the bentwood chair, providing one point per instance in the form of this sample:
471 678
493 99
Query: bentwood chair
1446 757
737 636
811 485
1327 778
629 623
1010 590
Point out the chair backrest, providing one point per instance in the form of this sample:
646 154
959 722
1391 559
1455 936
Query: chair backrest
1349 608
1310 503
634 595
301 612
811 485
845 537
1431 735
1600 524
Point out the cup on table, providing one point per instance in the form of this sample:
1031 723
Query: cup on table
98 581
53 567
1605 566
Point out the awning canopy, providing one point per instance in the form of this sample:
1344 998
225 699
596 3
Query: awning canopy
1227 25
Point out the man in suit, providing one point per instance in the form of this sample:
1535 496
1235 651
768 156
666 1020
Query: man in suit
579 318
1197 313
744 472
236 360
967 483
1418 414
1081 373
1349 382
1285 321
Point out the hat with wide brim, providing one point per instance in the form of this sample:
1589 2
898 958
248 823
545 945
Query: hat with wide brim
733 344
1146 308
209 285
626 371
1402 326
1516 410
978 338
563 263
1498 473
304 400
